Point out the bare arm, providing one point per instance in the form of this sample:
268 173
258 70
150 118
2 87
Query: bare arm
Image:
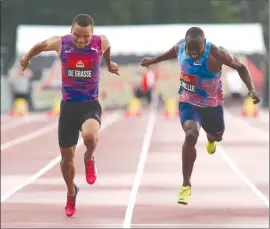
106 49
224 57
51 44
169 55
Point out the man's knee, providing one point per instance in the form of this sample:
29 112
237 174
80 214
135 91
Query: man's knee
191 136
90 139
90 132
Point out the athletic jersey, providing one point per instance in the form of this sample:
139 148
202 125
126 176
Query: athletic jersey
198 85
80 70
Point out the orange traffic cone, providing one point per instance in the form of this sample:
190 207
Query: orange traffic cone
134 108
55 111
19 109
170 110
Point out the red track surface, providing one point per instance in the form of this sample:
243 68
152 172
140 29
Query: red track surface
221 196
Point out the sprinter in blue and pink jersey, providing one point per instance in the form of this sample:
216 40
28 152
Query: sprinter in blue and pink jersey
81 53
200 92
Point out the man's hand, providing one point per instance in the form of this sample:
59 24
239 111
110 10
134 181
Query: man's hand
24 62
113 68
147 61
255 96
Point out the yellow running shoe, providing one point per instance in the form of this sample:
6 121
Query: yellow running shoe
211 147
183 195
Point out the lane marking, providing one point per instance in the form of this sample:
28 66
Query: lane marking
18 122
141 225
233 165
29 136
242 176
263 134
107 122
14 123
140 167
192 225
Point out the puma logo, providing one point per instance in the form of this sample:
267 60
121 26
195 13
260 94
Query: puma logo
94 49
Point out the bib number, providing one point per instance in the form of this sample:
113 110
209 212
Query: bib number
188 82
75 73
79 69
188 87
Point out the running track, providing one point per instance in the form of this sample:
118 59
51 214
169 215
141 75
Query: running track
139 165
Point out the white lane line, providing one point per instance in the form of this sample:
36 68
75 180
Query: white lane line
19 122
88 225
242 176
29 136
107 122
143 157
263 135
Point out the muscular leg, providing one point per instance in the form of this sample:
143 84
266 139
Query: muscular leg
90 130
90 121
68 135
68 168
189 154
190 121
68 172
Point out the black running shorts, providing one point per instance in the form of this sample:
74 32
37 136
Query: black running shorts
72 116
210 118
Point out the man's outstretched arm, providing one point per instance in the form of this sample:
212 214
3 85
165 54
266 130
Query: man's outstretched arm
50 44
169 55
224 57
106 51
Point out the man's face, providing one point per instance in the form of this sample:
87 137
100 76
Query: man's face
195 47
81 36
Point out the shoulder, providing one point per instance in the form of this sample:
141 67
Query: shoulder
217 50
104 42
220 52
65 38
52 40
179 44
103 38
65 42
97 39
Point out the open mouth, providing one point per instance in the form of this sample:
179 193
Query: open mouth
194 55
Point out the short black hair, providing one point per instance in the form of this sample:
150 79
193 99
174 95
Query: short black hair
195 32
83 20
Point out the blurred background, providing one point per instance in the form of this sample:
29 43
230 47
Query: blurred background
135 28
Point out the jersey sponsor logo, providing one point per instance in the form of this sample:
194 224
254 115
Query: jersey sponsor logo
188 82
198 62
79 69
94 49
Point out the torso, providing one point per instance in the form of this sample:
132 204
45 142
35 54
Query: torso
80 70
200 79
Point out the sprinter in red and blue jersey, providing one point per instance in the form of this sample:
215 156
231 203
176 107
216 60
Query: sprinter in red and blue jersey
81 53
200 93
